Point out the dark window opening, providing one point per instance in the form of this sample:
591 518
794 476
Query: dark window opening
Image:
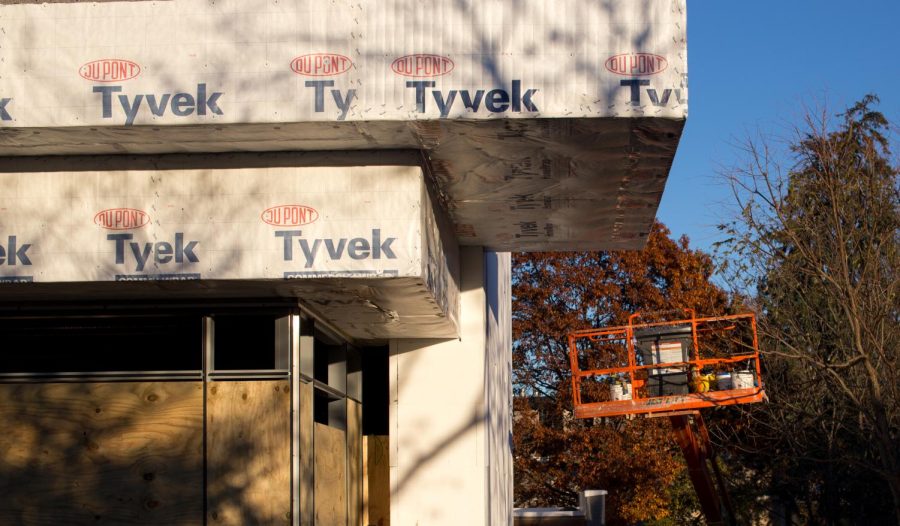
245 342
100 344
330 364
375 390
320 407
329 381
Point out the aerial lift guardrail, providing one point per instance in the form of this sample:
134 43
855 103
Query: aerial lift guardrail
673 369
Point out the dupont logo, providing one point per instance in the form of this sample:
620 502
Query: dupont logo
289 215
321 65
109 70
121 219
636 64
422 66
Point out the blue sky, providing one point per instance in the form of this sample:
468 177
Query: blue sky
752 67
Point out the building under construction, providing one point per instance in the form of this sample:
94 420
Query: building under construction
254 254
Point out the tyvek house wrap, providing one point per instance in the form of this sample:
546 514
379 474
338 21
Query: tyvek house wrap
547 125
360 244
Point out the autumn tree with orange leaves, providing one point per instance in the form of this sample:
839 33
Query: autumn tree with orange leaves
557 455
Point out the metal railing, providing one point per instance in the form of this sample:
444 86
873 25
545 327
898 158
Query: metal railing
632 369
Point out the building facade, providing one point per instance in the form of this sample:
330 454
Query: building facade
254 254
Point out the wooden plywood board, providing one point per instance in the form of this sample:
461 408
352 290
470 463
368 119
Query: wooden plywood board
331 476
101 453
354 463
377 481
306 484
248 452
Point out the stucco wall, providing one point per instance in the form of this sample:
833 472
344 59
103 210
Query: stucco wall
498 386
450 410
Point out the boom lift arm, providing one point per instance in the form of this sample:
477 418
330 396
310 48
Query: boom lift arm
691 434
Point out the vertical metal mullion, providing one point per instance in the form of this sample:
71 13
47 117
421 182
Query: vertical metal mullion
208 344
294 357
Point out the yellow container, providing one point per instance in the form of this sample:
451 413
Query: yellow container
702 382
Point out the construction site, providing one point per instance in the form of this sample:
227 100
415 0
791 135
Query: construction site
255 254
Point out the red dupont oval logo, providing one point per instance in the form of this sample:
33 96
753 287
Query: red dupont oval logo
121 219
321 64
422 66
109 70
289 215
636 64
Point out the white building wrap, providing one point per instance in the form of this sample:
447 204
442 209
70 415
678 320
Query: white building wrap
243 223
547 125
230 61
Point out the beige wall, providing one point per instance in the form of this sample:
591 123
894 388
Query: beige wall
498 385
448 412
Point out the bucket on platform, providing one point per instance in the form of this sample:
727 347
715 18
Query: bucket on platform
620 391
742 380
593 503
723 381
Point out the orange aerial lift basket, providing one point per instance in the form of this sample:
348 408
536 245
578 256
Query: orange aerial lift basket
673 369
665 367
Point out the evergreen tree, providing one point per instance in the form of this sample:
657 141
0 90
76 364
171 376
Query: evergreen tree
819 246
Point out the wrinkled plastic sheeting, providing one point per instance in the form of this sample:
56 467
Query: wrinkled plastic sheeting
556 184
544 184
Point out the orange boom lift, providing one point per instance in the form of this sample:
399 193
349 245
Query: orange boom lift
673 369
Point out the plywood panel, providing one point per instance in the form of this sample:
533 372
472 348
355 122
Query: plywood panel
354 463
377 481
248 452
306 484
101 453
331 476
